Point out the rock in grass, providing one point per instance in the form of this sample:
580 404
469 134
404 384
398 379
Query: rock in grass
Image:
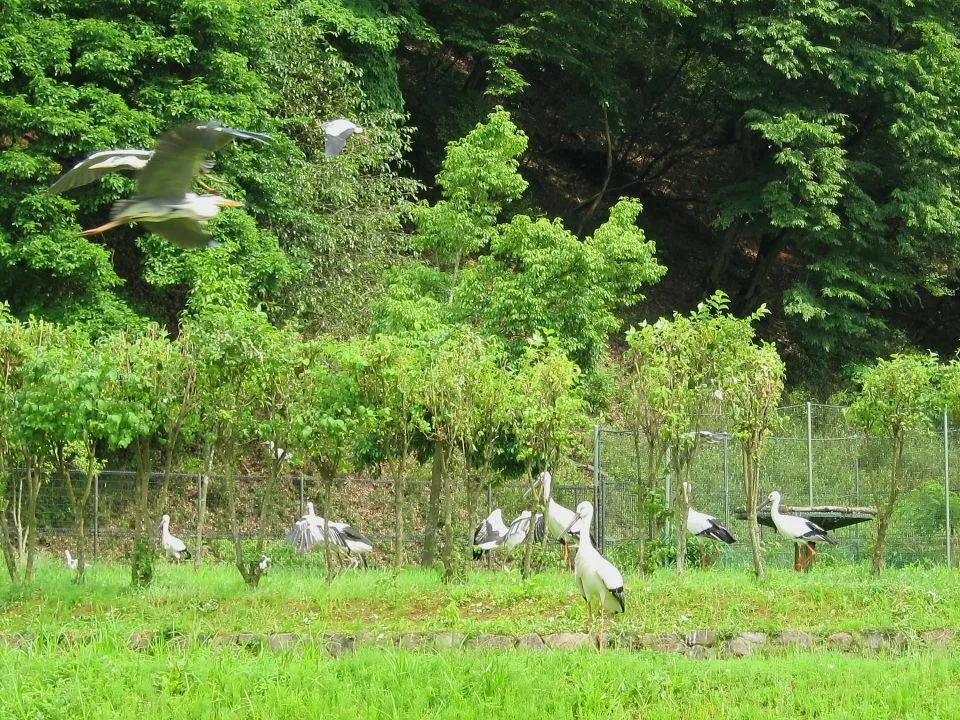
411 641
701 652
335 644
941 638
755 638
738 647
669 643
282 641
840 640
707 638
796 638
567 641
495 642
449 641
530 641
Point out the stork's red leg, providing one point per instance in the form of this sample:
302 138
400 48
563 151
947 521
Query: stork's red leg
103 228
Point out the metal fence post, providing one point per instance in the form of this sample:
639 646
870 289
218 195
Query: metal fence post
96 517
946 479
810 452
489 499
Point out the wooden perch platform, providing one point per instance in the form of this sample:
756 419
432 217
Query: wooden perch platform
829 517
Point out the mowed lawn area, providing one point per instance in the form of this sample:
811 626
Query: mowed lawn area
95 674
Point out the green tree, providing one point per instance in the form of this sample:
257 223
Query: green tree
751 391
897 396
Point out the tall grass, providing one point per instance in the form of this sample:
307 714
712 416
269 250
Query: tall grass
205 683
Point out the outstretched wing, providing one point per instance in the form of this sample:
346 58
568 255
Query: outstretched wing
179 157
182 232
95 166
336 132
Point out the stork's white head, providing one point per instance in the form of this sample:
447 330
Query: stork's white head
310 508
774 497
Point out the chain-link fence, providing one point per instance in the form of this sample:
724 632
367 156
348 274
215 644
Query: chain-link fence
813 459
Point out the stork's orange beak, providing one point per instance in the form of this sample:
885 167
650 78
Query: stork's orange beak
232 203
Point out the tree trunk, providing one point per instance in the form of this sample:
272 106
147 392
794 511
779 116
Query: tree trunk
398 489
33 490
327 482
886 511
767 253
528 543
721 261
679 512
141 565
208 450
642 486
9 554
433 507
448 555
751 487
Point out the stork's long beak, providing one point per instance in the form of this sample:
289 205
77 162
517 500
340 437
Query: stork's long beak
576 519
764 505
232 203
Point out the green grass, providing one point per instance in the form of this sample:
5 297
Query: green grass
294 600
100 682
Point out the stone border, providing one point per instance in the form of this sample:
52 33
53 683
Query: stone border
698 644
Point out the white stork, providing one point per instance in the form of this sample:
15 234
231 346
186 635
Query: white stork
308 532
800 530
489 534
173 546
336 133
704 526
518 529
69 561
597 579
561 522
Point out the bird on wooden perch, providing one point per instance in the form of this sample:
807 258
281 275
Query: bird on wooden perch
801 531
597 579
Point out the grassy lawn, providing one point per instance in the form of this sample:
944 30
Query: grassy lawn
296 600
88 682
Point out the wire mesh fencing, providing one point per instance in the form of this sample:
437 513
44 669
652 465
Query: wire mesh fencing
814 459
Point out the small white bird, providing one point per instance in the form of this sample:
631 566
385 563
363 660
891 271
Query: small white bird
172 545
800 530
560 520
489 534
598 580
69 561
705 526
336 132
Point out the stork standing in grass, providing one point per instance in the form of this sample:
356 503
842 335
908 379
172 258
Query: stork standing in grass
490 533
802 531
561 521
704 526
599 582
518 529
310 530
172 545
